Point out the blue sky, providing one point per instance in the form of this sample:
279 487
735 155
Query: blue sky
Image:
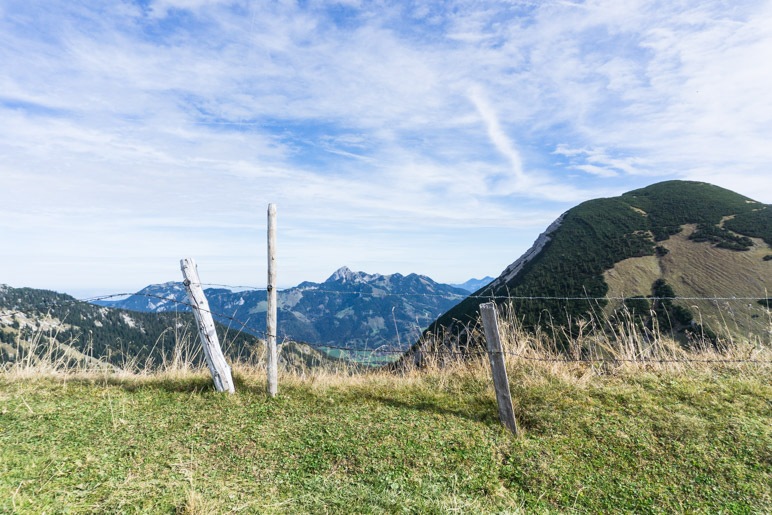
394 136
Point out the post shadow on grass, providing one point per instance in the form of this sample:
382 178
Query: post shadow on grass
184 383
195 383
188 384
481 410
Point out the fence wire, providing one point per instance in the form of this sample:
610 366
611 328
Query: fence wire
475 351
472 296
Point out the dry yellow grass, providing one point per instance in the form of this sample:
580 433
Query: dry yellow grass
621 350
702 271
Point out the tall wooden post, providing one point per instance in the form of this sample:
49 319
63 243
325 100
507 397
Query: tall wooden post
221 372
270 322
496 354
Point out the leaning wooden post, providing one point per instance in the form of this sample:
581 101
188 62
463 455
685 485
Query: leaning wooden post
270 322
221 372
496 355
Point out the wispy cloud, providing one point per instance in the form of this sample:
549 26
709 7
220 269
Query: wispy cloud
499 137
163 127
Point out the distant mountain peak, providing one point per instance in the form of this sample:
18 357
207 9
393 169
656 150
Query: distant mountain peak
342 274
169 285
472 285
345 275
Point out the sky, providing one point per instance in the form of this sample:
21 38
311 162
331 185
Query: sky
430 137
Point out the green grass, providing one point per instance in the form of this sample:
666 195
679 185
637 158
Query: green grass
678 441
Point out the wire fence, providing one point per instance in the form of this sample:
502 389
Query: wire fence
437 351
455 296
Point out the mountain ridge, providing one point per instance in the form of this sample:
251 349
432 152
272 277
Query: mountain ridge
33 320
351 309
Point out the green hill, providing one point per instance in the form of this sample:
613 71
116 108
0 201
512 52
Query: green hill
40 324
569 263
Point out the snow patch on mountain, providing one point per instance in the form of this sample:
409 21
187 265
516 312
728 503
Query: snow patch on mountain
129 321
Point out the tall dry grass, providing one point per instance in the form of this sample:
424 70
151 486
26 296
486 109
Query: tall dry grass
603 346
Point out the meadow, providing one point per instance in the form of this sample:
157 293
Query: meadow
652 427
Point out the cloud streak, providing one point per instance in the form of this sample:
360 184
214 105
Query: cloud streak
499 137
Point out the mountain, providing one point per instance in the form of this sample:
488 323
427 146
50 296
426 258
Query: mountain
349 309
156 298
41 323
118 336
473 285
672 239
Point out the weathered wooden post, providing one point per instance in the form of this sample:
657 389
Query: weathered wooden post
270 317
221 372
499 370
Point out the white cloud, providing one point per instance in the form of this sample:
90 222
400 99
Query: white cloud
466 115
596 170
599 163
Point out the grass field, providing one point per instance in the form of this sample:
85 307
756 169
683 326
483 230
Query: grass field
689 433
633 439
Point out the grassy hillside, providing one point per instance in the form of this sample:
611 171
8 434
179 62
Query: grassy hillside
702 270
696 441
652 428
596 235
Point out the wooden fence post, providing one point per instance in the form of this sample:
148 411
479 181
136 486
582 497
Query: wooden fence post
496 355
221 372
270 322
